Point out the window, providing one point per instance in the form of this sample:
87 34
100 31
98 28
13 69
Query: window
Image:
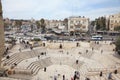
84 27
71 27
111 21
71 21
78 27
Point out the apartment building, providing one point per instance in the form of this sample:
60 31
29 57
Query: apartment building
55 24
78 23
114 21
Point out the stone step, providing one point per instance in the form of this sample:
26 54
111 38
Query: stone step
30 66
115 77
36 70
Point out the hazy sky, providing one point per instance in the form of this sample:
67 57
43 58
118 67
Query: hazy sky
58 9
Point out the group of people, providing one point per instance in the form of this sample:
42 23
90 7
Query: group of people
77 75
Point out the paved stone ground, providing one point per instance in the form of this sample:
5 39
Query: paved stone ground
63 61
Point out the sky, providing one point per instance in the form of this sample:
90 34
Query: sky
58 9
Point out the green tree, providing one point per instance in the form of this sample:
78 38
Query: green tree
117 28
18 23
117 43
42 25
38 24
100 23
93 23
65 21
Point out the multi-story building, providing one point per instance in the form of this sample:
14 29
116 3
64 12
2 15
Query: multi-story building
78 24
114 21
56 24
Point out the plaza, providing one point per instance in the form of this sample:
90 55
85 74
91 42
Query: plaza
88 58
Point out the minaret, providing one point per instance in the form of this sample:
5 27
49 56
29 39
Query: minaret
2 47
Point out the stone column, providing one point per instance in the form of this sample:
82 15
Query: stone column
2 47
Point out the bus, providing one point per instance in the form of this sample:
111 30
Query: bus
97 37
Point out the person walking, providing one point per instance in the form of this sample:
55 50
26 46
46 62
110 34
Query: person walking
101 74
63 77
38 56
45 69
19 49
87 78
101 51
110 76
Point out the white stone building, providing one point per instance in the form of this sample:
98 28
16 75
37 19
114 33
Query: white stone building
114 21
55 24
79 24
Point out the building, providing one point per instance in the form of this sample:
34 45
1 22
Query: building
1 34
56 24
114 21
78 24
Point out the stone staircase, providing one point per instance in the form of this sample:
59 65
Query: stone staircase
105 77
37 65
18 57
93 74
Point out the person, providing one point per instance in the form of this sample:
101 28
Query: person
92 48
8 57
86 51
101 74
110 76
31 47
77 45
76 75
38 56
115 71
71 78
55 77
63 77
15 64
87 78
76 61
60 46
7 49
45 69
101 51
19 49
67 53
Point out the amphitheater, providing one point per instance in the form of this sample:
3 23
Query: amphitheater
92 59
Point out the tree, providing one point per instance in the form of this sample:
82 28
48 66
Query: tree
65 21
117 43
18 24
38 24
117 28
100 23
93 23
42 25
